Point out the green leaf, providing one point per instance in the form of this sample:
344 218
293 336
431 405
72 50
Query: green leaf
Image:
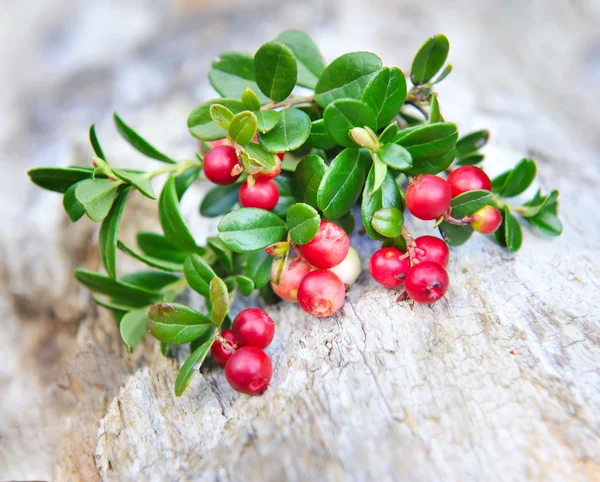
176 324
193 363
171 220
133 327
468 202
259 157
432 165
308 176
388 196
455 234
222 252
113 306
385 94
309 60
221 115
232 73
267 119
539 201
346 76
200 123
184 180
283 206
395 156
509 233
380 170
245 284
319 137
107 238
546 220
342 183
58 179
291 131
399 243
95 143
138 142
389 133
470 159
243 127
248 229
346 222
250 100
158 263
434 112
219 200
342 115
388 222
429 140
72 206
258 267
445 73
472 142
139 181
119 291
156 281
430 58
515 181
198 274
156 246
303 223
276 70
96 197
219 300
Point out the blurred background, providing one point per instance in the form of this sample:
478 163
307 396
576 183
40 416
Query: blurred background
65 64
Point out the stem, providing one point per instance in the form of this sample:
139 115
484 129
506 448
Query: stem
177 168
289 102
502 204
411 246
459 222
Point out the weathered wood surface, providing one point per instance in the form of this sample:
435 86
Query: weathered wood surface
500 381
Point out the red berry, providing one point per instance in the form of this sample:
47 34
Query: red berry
468 178
489 220
271 174
254 327
328 248
428 197
430 248
293 272
218 164
388 267
249 370
321 293
220 352
264 194
426 282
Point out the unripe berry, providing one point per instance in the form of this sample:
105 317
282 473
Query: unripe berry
430 248
254 327
249 370
264 194
218 164
468 178
321 293
349 269
426 282
428 197
489 220
221 352
328 248
388 266
290 275
271 174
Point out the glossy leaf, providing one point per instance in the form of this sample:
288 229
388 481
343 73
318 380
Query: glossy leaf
114 306
95 142
346 77
249 229
309 60
156 281
432 165
342 115
158 263
395 156
119 291
139 181
308 176
133 327
222 252
200 123
266 120
176 324
390 133
380 171
250 100
509 233
472 142
264 159
388 222
455 234
430 58
109 230
184 180
445 73
539 201
198 274
385 94
96 197
283 206
319 137
275 70
346 222
193 362
546 220
290 132
156 246
171 220
258 267
388 196
245 284
434 112
58 179
138 142
430 140
232 73
303 223
468 202
219 200
243 127
219 300
221 115
342 183
470 159
72 206
515 181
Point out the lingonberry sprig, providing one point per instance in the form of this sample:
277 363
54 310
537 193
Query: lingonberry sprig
288 169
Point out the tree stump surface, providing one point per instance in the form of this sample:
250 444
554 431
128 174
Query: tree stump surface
499 381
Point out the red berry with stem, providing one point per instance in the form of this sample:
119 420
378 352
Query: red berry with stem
428 197
218 164
321 293
426 282
468 178
286 277
264 194
249 370
221 352
388 266
273 173
253 327
328 248
430 248
489 220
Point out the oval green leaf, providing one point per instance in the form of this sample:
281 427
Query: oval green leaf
219 200
96 197
176 324
250 100
472 142
245 284
232 73
119 291
107 238
303 223
243 127
388 222
249 229
221 115
158 263
468 202
222 252
395 156
385 94
72 206
58 179
308 176
509 233
388 196
267 119
95 142
319 137
193 362
139 181
198 274
276 70
290 132
515 181
138 142
309 59
156 246
219 300
258 267
133 327
200 123
430 58
455 234
342 115
171 220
